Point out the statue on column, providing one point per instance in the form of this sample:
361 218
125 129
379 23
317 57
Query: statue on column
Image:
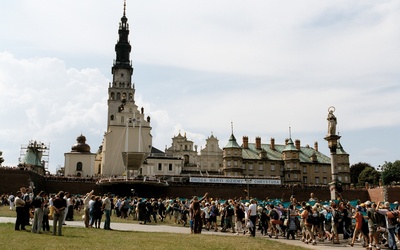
331 121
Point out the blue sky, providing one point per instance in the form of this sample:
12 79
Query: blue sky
200 65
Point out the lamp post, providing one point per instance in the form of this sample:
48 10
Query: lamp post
332 140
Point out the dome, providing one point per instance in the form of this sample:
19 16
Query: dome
81 146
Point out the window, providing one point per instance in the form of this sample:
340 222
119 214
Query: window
261 167
304 169
316 180
170 167
340 178
159 166
316 169
251 166
304 180
295 176
325 180
79 166
272 167
324 169
228 163
346 178
235 164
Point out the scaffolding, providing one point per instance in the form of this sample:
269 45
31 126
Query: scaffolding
34 156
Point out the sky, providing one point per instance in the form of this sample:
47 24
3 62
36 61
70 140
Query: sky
200 66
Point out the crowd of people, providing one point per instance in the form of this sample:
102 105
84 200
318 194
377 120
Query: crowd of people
371 224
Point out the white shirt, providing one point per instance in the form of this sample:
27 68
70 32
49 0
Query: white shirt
253 209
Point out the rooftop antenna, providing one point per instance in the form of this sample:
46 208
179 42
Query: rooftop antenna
290 132
232 127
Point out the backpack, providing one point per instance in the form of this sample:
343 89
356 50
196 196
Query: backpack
378 219
338 216
393 217
328 217
214 211
230 211
274 214
312 218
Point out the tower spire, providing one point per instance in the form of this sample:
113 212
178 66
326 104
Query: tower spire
123 47
124 7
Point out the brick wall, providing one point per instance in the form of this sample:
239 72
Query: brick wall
12 180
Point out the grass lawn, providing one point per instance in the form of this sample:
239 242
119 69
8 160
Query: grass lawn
83 238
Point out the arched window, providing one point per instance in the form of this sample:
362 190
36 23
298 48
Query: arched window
112 117
118 96
112 95
79 166
186 159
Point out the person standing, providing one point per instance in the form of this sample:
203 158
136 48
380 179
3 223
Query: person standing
66 196
37 205
26 196
11 200
59 205
252 215
107 211
385 210
86 208
19 208
358 227
195 214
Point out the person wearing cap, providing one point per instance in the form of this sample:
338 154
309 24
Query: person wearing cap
359 222
390 227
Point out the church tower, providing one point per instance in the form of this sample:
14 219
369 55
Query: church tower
127 128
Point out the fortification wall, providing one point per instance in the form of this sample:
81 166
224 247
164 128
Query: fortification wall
12 180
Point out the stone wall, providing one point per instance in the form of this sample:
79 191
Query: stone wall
12 180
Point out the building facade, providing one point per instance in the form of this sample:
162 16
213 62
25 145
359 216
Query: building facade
291 162
80 161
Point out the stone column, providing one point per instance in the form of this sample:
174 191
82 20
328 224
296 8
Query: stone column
332 140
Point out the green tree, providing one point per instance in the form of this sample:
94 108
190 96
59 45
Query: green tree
370 175
1 158
355 171
391 172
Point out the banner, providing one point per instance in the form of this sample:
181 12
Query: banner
236 181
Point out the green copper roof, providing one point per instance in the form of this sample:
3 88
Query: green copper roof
340 150
290 146
232 143
276 155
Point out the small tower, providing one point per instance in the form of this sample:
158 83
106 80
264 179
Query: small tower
232 158
291 158
80 161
